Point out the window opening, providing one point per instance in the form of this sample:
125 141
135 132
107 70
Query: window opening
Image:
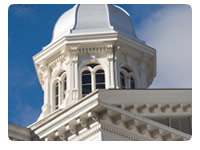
132 83
86 83
122 80
100 79
56 96
64 87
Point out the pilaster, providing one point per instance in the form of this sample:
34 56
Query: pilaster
117 66
66 67
111 69
74 71
46 79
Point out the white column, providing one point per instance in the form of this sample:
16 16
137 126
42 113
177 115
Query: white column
117 67
74 73
66 67
74 80
117 74
46 108
47 95
59 93
111 70
111 74
93 81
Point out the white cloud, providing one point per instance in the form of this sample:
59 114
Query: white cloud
169 31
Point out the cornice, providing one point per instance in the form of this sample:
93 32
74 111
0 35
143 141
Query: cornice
120 123
75 39
127 51
49 51
91 49
136 44
63 116
179 109
89 38
142 126
89 132
76 122
120 132
56 60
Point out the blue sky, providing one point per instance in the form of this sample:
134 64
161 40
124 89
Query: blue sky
164 27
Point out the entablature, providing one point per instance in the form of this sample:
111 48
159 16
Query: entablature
72 122
158 110
96 43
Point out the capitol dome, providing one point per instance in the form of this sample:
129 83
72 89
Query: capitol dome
90 18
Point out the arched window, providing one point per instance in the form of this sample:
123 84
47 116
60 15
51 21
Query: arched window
122 81
127 70
64 86
92 65
86 83
127 78
132 83
100 79
56 95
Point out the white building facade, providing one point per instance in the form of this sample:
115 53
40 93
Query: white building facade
85 50
93 75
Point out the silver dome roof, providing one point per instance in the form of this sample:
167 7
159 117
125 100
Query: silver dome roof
92 18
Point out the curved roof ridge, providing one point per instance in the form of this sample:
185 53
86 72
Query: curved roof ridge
77 7
107 10
123 10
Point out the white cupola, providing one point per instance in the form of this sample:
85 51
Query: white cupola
93 47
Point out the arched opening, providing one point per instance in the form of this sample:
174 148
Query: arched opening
132 83
93 65
56 96
100 79
59 90
127 78
122 80
64 87
86 83
127 70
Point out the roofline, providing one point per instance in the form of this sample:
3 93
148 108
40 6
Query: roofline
97 98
